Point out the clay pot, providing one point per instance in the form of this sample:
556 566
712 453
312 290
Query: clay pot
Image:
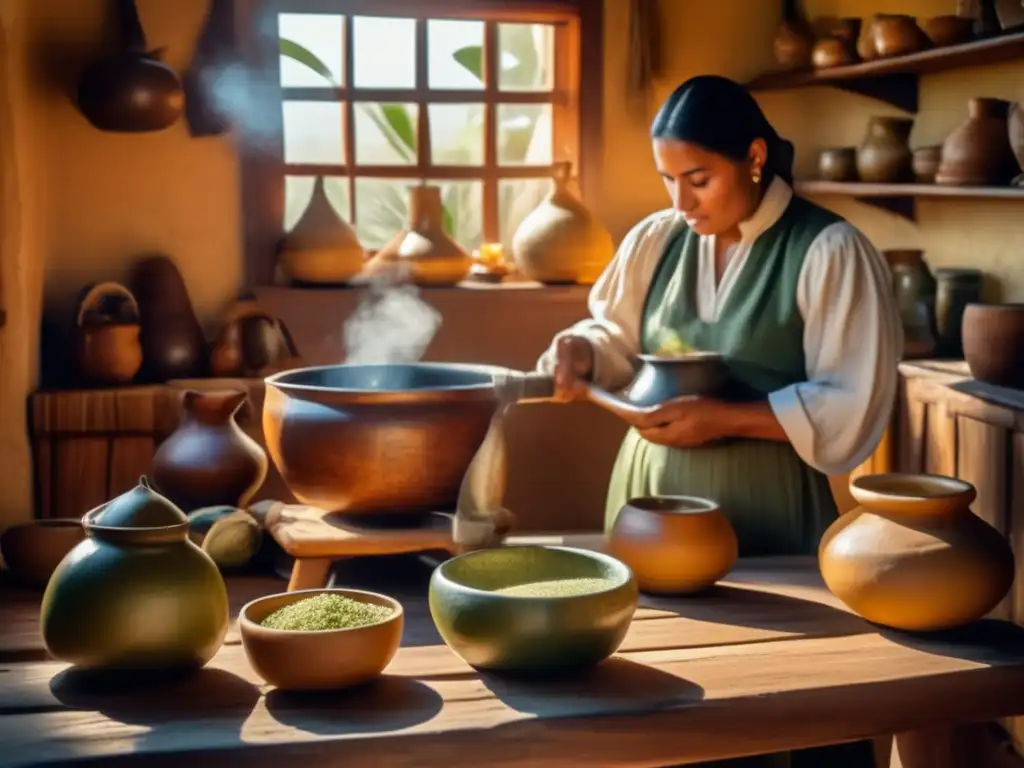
914 289
252 343
209 461
794 39
674 544
993 341
322 247
1016 133
838 164
108 347
423 249
132 91
832 52
926 163
32 551
137 594
913 556
949 29
978 151
954 290
897 35
884 156
866 43
560 241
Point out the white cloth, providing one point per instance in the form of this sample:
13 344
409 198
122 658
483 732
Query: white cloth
853 337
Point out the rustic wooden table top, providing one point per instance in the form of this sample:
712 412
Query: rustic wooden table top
766 661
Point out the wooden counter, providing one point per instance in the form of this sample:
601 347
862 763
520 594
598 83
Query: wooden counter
767 661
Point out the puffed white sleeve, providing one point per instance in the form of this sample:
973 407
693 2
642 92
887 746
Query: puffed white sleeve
853 341
616 304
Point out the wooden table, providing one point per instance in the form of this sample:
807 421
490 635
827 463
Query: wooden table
766 661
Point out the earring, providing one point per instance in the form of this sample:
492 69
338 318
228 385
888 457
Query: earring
755 175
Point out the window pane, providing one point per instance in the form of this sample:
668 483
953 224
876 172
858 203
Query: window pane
457 134
298 190
386 133
516 199
381 209
385 52
317 39
312 132
524 134
454 55
526 57
463 203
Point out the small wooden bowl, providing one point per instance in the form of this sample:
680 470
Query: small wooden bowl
319 660
674 544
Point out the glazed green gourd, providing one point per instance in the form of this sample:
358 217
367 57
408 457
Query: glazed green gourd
137 593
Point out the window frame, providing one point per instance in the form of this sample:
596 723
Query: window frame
576 119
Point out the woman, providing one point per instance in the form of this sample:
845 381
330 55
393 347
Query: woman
797 301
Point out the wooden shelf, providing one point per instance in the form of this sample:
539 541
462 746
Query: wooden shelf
895 80
900 198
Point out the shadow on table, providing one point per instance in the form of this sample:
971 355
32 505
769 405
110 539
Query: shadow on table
616 684
388 704
988 641
737 606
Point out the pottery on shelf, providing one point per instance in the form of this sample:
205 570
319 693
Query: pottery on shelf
560 241
926 163
838 164
993 342
955 289
423 250
913 556
321 247
32 551
978 151
794 39
674 544
838 46
949 29
209 461
914 289
1016 132
884 156
108 346
897 35
137 593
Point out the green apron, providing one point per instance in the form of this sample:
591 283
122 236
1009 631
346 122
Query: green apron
778 504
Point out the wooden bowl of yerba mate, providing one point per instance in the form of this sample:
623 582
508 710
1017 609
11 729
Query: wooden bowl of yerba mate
321 639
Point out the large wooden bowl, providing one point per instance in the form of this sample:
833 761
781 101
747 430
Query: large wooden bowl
495 631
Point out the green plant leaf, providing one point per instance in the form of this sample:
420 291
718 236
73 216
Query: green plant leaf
472 59
449 220
401 123
303 55
393 140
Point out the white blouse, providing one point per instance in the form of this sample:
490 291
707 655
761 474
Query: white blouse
853 337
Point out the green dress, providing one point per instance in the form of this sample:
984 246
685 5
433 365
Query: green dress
777 503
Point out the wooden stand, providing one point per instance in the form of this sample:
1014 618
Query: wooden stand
316 539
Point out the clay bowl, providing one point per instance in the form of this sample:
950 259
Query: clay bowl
993 339
321 660
926 163
32 551
530 634
949 29
674 544
838 164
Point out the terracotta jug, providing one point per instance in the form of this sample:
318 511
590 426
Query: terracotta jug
109 348
560 241
322 247
978 151
794 39
884 156
423 249
913 556
209 461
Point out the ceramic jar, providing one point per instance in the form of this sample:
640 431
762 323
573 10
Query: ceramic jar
321 247
794 39
838 164
109 348
884 156
137 593
423 250
926 163
913 556
993 341
1016 130
955 289
674 544
914 289
897 35
978 151
209 461
560 241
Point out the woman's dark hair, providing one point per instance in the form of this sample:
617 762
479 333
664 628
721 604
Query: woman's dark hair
721 116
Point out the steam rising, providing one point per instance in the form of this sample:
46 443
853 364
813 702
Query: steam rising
392 324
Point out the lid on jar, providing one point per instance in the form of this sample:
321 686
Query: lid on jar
141 507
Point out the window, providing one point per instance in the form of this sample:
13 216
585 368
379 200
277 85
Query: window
375 96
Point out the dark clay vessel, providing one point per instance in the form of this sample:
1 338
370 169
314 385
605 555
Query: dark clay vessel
209 461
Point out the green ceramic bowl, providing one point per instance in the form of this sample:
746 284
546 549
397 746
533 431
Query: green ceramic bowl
497 631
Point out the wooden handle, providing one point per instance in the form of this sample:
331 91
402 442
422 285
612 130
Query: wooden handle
103 289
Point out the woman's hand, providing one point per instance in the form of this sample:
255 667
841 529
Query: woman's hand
573 367
685 422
